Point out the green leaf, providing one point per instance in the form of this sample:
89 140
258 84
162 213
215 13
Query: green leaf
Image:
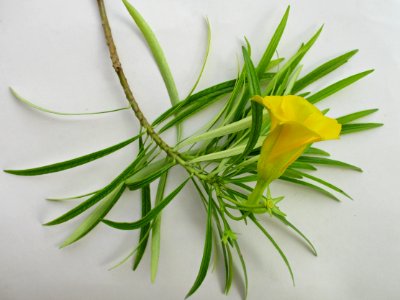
322 71
218 89
150 216
316 151
95 217
71 197
193 108
327 184
327 161
146 207
302 165
225 153
205 58
291 64
68 164
205 261
133 251
337 86
266 233
305 48
77 210
156 231
242 124
355 116
289 87
286 222
357 127
244 268
256 108
310 185
42 109
156 50
274 63
273 44
149 173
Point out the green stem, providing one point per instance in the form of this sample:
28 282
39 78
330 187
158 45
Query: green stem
257 193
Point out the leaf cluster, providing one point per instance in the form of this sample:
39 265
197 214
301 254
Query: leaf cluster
221 158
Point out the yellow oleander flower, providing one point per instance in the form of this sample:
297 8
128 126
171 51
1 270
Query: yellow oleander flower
295 124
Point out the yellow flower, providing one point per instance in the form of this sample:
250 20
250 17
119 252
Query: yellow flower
295 124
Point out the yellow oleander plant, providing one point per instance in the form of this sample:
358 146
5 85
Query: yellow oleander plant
265 131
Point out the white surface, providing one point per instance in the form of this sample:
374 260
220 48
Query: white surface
53 52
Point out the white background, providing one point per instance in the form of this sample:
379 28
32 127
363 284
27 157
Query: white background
53 53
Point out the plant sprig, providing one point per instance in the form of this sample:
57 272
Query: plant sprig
220 159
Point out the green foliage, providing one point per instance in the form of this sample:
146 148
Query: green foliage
220 159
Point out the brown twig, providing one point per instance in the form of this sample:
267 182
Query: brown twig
131 99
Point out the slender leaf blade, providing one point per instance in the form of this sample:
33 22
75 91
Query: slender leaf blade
337 86
150 216
95 217
355 116
205 261
328 161
357 127
273 44
71 163
77 210
156 231
322 71
146 207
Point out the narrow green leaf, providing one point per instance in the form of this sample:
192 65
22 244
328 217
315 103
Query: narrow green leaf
156 50
205 58
77 210
149 173
305 48
133 251
292 174
273 44
218 89
205 261
286 222
42 109
194 108
357 127
95 217
337 86
302 165
327 161
316 151
225 153
266 233
228 268
289 86
146 207
291 64
310 185
274 63
244 123
68 164
156 231
355 116
256 108
327 184
322 71
244 268
150 216
71 197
